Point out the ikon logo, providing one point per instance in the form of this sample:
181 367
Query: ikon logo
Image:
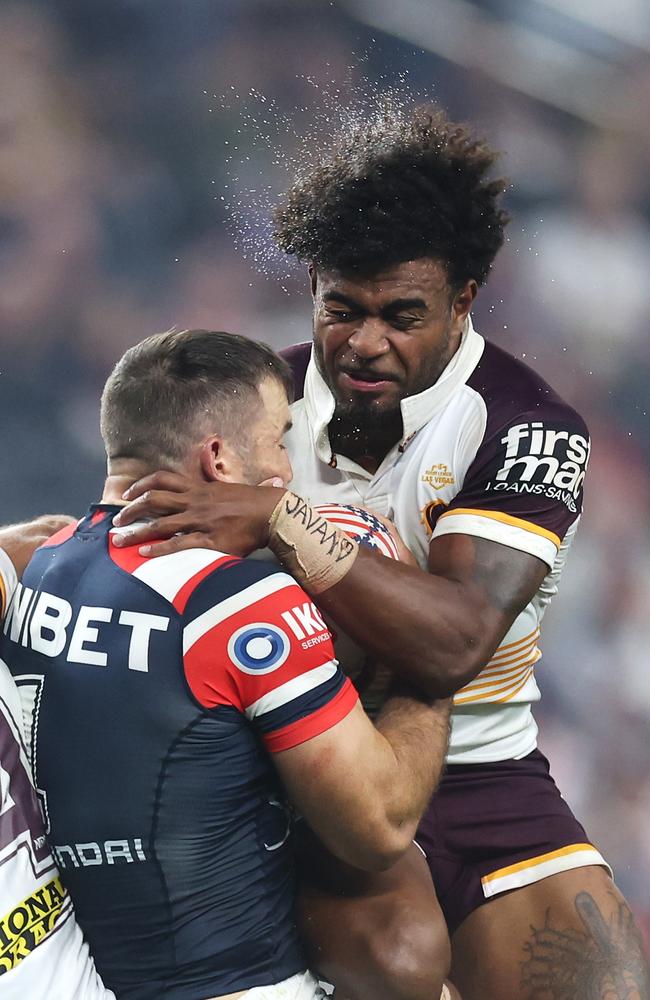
304 620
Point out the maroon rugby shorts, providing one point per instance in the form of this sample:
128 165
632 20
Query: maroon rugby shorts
495 827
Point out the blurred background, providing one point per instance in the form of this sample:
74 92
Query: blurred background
118 186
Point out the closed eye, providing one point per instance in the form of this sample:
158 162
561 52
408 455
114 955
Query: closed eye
404 322
341 315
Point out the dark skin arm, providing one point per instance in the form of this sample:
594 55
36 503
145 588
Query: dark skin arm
437 629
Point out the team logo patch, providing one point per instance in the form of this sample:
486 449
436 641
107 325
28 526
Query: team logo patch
438 476
259 648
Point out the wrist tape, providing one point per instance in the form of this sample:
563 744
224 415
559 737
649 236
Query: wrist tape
316 553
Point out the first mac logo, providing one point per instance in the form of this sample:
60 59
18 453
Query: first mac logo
554 461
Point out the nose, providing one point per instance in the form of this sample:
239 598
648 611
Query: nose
369 339
287 470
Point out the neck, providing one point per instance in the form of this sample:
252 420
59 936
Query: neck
114 487
120 476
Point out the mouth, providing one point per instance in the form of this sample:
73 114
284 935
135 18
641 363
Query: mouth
365 381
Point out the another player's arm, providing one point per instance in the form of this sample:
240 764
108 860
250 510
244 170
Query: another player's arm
20 541
362 788
438 629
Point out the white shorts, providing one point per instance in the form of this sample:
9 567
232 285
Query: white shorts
300 987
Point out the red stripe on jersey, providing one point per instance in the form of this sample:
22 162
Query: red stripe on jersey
61 536
313 725
186 591
215 679
127 559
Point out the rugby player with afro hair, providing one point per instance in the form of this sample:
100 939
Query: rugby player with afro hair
403 406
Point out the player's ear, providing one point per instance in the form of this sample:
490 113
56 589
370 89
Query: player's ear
216 461
313 279
463 300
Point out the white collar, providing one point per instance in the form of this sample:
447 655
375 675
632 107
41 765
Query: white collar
416 410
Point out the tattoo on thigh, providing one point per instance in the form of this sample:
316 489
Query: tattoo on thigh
605 962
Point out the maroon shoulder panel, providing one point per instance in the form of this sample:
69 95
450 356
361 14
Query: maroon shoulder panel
532 461
297 357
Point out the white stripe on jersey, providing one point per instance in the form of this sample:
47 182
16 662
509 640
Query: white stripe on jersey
292 689
526 540
167 575
231 605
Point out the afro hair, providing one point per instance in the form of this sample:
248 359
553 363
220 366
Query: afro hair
399 186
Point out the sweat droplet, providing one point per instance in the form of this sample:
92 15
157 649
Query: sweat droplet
296 143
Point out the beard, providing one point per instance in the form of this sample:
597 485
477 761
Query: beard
361 430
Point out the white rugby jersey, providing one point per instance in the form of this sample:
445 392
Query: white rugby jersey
43 955
489 450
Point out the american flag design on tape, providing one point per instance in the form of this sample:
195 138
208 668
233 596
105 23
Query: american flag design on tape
362 525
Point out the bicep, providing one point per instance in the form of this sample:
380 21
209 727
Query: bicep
498 581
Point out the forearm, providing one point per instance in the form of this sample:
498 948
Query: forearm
428 636
424 630
363 789
418 736
399 770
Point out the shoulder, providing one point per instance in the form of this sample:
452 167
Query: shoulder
240 592
510 390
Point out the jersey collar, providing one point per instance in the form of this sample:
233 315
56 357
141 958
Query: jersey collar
416 410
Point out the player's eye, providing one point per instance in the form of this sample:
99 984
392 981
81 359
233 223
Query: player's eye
404 322
340 315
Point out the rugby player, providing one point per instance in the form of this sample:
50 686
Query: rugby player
42 952
158 691
408 410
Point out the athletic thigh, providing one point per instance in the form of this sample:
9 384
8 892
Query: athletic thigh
570 936
374 934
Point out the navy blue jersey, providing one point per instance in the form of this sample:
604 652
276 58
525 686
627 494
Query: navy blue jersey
154 690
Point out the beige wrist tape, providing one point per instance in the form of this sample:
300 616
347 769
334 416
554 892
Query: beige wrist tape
308 546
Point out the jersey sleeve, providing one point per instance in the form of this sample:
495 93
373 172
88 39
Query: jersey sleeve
524 487
263 648
8 582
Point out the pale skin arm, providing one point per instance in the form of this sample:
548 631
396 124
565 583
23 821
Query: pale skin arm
437 629
20 541
363 789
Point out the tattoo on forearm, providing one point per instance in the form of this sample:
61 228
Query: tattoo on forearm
335 541
606 962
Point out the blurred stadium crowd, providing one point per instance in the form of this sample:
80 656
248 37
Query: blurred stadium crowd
112 227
